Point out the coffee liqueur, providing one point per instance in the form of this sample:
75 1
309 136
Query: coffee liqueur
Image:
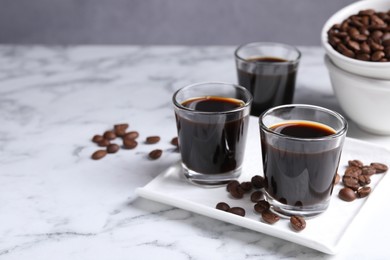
300 178
270 86
218 140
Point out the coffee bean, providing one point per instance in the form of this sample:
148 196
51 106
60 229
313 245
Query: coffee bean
379 167
237 211
175 141
97 138
336 178
246 186
353 171
231 185
129 143
120 129
269 217
152 139
99 154
257 196
131 135
155 154
351 182
378 55
103 143
347 194
222 206
109 135
237 192
112 148
298 223
355 163
257 181
261 206
368 170
364 180
363 192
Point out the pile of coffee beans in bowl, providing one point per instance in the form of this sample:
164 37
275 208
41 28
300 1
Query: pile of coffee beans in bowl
363 36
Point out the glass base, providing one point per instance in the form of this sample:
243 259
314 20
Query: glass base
287 211
210 179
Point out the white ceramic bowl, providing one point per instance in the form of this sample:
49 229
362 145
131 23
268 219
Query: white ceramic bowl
365 100
380 70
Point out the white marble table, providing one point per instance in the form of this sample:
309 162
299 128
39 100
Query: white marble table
57 203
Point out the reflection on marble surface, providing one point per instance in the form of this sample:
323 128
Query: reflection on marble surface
55 202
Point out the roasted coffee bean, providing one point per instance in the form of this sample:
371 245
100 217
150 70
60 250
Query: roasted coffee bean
222 206
237 192
129 143
155 154
112 148
269 217
351 182
379 167
354 46
347 194
175 141
261 206
152 139
363 56
131 135
246 186
257 196
355 163
336 178
363 192
103 143
231 185
377 56
364 180
109 135
365 48
298 223
368 170
237 211
257 182
120 129
99 154
97 138
353 171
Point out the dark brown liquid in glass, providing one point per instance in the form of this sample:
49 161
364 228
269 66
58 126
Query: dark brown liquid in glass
215 146
269 86
304 178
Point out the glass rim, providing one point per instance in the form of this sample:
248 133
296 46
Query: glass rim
242 46
337 115
236 86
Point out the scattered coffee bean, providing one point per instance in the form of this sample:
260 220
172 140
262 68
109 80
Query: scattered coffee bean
362 36
109 135
257 196
237 191
222 206
353 171
356 163
152 139
131 135
175 141
298 223
129 143
364 180
363 192
269 217
237 210
231 185
379 167
351 182
261 206
155 154
97 138
347 194
246 186
120 129
112 148
258 181
103 143
99 154
336 178
368 170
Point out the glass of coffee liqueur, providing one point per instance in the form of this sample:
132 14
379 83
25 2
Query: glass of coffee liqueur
268 70
212 123
301 148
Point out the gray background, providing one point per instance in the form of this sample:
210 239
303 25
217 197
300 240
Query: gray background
189 22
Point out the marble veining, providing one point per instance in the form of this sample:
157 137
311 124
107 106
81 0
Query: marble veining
57 203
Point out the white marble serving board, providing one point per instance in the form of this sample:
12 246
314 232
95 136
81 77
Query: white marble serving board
326 232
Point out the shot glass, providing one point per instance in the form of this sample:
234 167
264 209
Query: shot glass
268 71
212 122
301 148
